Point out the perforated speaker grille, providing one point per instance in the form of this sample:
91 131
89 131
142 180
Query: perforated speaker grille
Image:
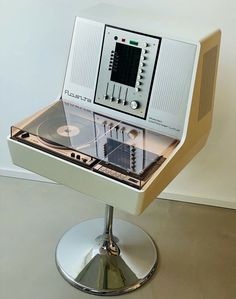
173 78
207 82
87 42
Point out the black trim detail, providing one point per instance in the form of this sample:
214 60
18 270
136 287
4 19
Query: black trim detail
95 91
153 75
137 32
120 111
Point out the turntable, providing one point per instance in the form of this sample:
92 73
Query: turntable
135 108
113 148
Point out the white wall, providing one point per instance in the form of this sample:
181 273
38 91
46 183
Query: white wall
35 37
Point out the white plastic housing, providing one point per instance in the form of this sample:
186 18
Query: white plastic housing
184 78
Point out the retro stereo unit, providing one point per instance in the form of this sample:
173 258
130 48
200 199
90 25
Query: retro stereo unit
135 108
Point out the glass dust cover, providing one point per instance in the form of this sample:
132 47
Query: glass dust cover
113 148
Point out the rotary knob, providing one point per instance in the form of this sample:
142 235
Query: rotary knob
132 135
134 105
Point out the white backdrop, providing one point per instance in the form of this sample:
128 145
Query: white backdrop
35 37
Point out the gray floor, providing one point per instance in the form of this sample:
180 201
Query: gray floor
197 244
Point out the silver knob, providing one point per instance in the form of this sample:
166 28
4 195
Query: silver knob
134 105
106 97
132 135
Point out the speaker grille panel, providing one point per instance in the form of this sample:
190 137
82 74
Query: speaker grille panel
87 42
207 82
173 78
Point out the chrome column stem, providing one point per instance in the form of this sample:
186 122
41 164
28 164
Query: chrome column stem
108 221
109 245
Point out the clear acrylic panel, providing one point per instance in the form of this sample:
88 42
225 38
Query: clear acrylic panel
113 148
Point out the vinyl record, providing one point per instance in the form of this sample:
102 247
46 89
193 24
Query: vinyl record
57 132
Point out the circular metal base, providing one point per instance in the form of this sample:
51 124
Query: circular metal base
83 264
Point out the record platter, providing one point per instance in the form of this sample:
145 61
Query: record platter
102 144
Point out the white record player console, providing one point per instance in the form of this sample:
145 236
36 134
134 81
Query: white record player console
136 106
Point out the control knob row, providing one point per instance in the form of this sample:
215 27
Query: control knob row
133 104
113 99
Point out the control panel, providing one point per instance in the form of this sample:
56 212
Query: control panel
132 76
126 71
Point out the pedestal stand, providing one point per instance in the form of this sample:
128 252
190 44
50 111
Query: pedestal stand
106 264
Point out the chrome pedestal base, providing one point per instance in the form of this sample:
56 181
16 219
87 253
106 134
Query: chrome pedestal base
106 264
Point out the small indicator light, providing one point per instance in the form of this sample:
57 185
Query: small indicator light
132 42
123 40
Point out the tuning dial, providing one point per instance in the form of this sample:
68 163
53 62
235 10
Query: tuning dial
134 105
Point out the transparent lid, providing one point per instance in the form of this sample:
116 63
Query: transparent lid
117 149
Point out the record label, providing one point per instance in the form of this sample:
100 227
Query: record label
68 131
